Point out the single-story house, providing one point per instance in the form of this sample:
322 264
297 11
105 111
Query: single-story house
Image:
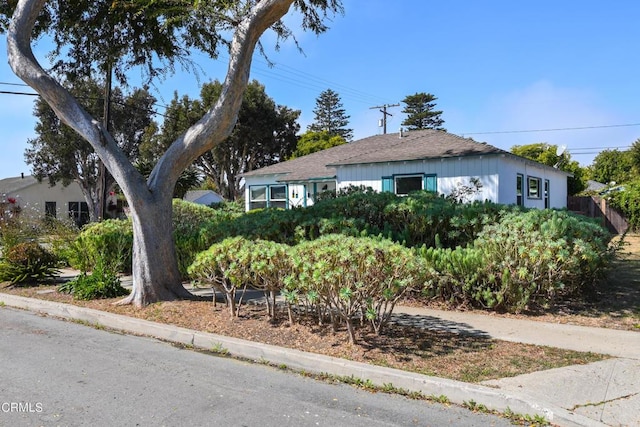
27 197
403 162
203 197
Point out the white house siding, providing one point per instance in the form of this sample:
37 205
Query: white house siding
497 174
510 167
32 198
299 194
450 173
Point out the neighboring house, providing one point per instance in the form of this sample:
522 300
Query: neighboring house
203 197
594 186
33 199
419 160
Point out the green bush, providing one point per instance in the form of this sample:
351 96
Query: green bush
226 267
195 228
61 236
530 258
349 278
236 263
420 218
627 202
27 263
270 264
110 240
101 283
20 229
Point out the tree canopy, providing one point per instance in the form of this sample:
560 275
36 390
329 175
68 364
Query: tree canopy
264 134
236 25
421 113
611 166
549 155
330 116
60 155
310 142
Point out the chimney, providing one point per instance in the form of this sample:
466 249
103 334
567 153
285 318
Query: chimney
401 135
22 175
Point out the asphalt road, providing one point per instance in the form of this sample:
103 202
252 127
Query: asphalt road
56 373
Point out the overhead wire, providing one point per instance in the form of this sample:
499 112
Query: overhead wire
354 93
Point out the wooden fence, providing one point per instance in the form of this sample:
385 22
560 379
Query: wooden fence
597 207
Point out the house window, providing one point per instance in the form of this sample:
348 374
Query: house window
50 209
79 212
257 197
278 196
533 188
268 196
405 184
408 183
546 194
520 190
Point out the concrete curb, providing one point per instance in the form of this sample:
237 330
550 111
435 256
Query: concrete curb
457 392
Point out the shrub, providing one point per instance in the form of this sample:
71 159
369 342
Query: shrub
352 278
195 228
21 229
269 266
225 266
61 236
237 263
101 283
27 263
526 258
110 240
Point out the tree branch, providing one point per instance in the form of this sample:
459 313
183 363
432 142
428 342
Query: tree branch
218 122
25 65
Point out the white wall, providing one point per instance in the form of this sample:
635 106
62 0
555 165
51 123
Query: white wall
299 194
511 166
497 174
450 172
33 197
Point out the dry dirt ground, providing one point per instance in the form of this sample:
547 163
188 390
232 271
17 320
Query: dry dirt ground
615 303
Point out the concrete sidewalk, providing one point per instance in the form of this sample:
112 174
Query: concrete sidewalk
606 392
601 393
571 337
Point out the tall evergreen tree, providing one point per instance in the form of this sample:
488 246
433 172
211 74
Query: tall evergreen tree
421 113
330 116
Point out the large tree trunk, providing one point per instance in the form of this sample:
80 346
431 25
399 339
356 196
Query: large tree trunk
156 276
155 270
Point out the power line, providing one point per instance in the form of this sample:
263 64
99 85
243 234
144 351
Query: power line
6 92
13 84
551 129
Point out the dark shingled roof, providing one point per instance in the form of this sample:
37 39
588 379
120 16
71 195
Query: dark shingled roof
414 145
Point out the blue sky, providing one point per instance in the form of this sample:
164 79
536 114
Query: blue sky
499 68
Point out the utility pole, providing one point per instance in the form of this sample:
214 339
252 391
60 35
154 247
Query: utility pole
385 114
